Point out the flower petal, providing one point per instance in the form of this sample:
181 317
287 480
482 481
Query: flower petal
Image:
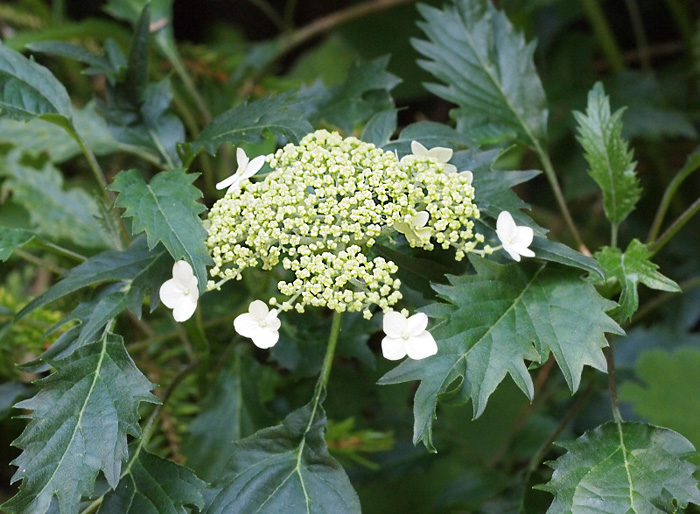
420 219
523 237
393 348
227 181
418 149
184 310
241 159
266 338
272 322
468 174
512 251
171 293
246 325
421 346
394 324
441 154
182 273
505 227
258 309
416 324
254 166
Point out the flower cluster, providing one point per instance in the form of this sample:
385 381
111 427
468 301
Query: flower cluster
322 209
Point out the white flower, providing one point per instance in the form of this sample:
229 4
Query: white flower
438 153
260 324
415 229
246 169
469 175
180 293
407 336
515 239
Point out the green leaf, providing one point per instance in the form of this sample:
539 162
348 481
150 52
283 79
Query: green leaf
231 411
11 239
495 320
629 269
64 215
286 468
168 211
10 392
97 64
428 133
380 127
554 251
608 155
487 69
28 90
625 468
152 485
665 390
82 416
282 115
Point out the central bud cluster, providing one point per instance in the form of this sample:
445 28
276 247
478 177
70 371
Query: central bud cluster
322 209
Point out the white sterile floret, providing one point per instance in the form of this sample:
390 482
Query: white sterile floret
415 229
259 324
515 239
407 336
246 169
438 153
180 293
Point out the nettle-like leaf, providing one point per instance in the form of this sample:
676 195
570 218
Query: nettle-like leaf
28 90
232 410
624 468
64 215
630 269
12 239
609 158
81 418
286 468
487 69
282 115
153 485
167 210
493 322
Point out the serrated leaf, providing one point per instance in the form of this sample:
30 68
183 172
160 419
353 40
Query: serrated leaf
608 155
630 269
487 69
282 115
626 468
495 320
232 410
286 468
64 215
167 210
81 418
665 390
554 251
28 90
10 392
11 239
380 127
97 64
152 485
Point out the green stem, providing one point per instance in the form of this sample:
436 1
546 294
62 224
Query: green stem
327 363
612 384
604 34
639 34
673 186
268 11
39 261
64 252
613 234
558 194
684 21
676 226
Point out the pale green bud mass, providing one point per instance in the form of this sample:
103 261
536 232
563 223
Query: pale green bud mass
320 211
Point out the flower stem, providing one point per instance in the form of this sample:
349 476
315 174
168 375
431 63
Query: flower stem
676 226
328 359
612 384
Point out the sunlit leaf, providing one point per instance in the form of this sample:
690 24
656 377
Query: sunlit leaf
81 418
495 320
625 468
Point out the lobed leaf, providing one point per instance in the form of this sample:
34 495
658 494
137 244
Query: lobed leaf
380 127
629 269
81 418
167 210
11 239
609 158
153 485
286 468
487 69
624 468
495 320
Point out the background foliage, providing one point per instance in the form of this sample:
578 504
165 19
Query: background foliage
112 137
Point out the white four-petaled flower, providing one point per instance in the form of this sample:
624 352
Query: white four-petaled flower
438 153
515 239
407 336
180 293
415 229
246 169
260 324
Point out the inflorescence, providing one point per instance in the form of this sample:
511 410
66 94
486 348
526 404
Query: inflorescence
322 209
